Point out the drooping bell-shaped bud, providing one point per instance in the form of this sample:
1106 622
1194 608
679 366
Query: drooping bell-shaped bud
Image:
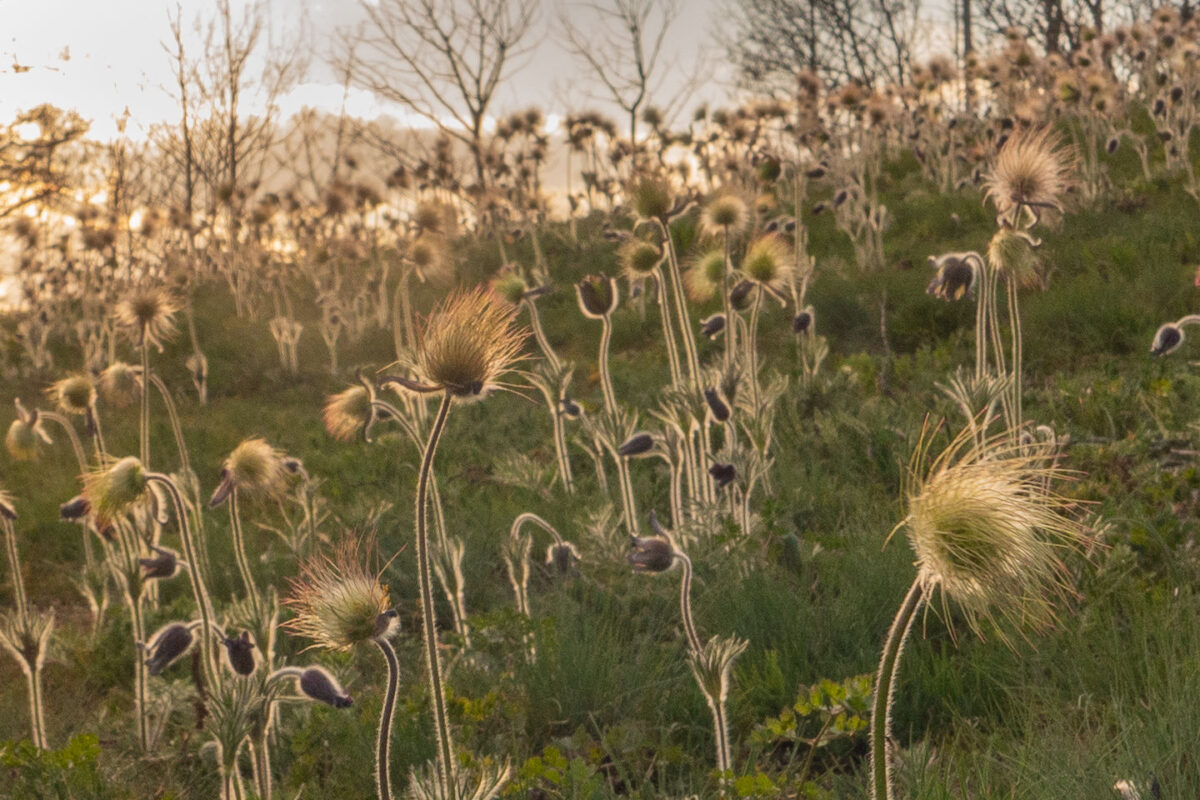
713 325
651 554
320 685
636 445
723 474
239 652
716 406
167 646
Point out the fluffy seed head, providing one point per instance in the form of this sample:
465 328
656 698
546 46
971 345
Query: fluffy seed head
704 280
120 384
149 314
638 258
75 394
114 488
1031 171
726 212
467 344
24 438
347 413
509 286
988 531
1011 254
651 198
767 262
256 469
337 600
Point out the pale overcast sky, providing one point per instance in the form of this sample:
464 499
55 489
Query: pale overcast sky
101 56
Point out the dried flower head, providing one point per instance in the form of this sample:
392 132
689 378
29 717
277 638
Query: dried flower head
726 212
338 601
75 394
706 276
988 531
26 434
348 413
638 258
1011 254
509 286
112 489
651 197
255 469
768 262
1031 173
466 345
149 314
120 384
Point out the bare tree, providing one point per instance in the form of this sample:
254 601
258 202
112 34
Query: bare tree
621 42
443 59
868 41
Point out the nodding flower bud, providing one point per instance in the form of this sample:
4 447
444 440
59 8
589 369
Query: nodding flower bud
651 554
7 509
561 557
722 473
636 445
713 325
840 198
167 646
816 172
739 295
320 685
716 405
223 490
597 295
164 565
74 509
570 408
1166 339
1112 145
387 624
802 322
239 652
818 208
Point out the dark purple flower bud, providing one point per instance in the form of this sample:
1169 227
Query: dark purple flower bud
816 172
1112 145
561 557
818 209
713 325
840 198
570 408
167 646
1166 339
739 294
651 554
240 652
74 509
320 685
164 565
636 445
802 322
597 295
1176 94
1160 107
723 474
223 490
716 405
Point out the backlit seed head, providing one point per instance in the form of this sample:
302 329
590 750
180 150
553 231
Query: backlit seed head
348 413
1011 254
706 277
638 258
597 296
167 646
509 286
73 395
431 260
988 531
318 684
768 262
336 599
1032 170
120 384
651 197
149 314
724 213
467 344
651 554
255 469
114 488
24 438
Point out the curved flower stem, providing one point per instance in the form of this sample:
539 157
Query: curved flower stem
1014 322
681 310
383 742
199 591
752 350
685 603
535 322
144 420
885 684
664 311
97 435
610 399
445 757
37 720
628 501
239 551
981 329
260 753
139 670
185 464
727 306
14 566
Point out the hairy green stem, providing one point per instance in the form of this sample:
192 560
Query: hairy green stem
239 552
535 322
610 399
664 313
383 741
681 310
885 684
1014 322
445 756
